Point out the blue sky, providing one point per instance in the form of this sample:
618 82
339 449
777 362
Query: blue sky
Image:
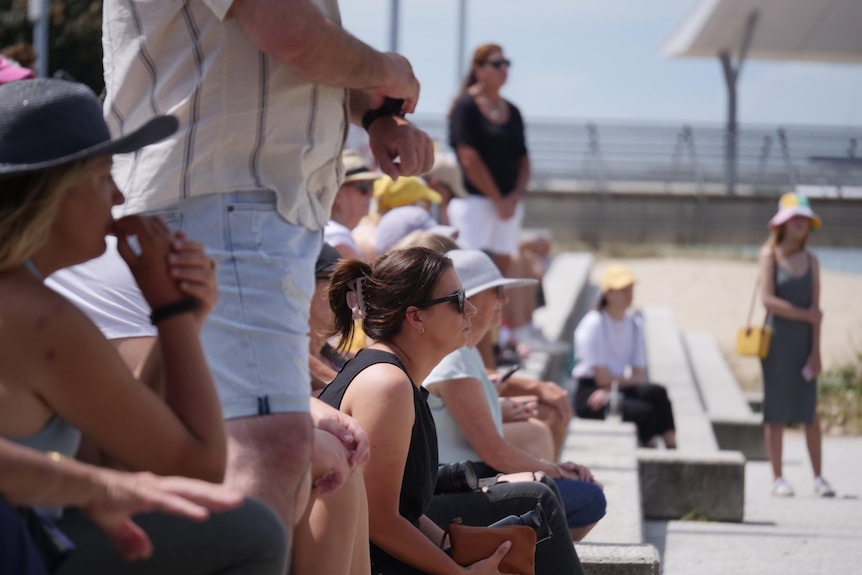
600 60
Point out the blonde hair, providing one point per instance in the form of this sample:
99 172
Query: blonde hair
28 208
776 236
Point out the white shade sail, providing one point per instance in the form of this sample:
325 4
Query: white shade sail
810 30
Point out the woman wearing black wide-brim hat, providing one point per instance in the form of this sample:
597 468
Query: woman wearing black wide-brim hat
61 378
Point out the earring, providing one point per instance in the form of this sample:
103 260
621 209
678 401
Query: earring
421 331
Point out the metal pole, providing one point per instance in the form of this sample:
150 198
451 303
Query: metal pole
462 39
37 11
393 25
731 77
730 135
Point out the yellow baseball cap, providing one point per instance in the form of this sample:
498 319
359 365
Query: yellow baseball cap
616 277
404 191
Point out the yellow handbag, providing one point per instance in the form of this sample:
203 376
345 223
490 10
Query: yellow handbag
751 340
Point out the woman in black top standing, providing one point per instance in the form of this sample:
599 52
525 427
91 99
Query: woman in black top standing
487 133
413 306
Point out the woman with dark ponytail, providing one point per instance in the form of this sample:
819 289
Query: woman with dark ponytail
413 306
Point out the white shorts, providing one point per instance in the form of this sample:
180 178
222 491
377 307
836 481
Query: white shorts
480 227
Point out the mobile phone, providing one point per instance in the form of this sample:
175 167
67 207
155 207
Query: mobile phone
509 372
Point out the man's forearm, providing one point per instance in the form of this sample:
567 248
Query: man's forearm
297 34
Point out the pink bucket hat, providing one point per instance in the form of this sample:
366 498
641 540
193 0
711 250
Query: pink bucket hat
790 205
10 71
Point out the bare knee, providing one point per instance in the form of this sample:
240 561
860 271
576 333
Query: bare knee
578 533
269 457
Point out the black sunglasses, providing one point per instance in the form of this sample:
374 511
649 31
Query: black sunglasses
457 298
499 63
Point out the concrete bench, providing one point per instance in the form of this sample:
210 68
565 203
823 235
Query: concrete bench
567 291
734 425
696 478
616 545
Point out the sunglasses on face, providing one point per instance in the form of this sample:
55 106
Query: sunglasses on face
501 292
498 64
457 298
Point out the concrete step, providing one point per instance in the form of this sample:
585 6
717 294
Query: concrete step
733 423
619 558
697 479
608 449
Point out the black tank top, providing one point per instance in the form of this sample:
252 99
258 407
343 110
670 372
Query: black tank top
420 470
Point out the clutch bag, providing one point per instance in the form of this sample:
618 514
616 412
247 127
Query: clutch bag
472 544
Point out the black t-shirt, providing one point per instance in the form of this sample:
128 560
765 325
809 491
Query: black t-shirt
420 469
501 146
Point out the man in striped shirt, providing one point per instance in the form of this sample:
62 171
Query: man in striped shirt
264 91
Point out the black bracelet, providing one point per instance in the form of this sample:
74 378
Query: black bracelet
170 310
389 107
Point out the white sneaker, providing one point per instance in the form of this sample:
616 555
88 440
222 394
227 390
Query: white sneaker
822 488
781 488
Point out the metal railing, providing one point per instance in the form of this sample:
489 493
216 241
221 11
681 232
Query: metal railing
771 159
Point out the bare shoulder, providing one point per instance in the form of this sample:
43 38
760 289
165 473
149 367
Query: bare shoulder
41 331
382 385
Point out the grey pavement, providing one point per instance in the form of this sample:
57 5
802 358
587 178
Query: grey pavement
804 534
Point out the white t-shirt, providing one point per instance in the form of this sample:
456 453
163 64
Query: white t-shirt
336 234
247 122
106 292
602 341
452 444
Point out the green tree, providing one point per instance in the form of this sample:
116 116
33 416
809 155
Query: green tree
75 37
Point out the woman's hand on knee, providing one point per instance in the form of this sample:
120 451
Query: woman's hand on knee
330 462
598 399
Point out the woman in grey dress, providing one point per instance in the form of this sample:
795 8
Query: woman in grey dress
790 288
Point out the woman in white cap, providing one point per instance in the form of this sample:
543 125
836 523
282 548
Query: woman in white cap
467 411
610 365
790 290
62 378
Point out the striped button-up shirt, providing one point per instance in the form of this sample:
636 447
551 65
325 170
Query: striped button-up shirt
246 121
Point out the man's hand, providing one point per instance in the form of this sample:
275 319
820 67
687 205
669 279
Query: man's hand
344 427
126 494
401 84
392 137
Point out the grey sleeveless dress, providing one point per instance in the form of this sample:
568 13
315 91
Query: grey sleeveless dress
787 398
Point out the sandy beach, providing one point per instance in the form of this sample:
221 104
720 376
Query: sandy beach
714 295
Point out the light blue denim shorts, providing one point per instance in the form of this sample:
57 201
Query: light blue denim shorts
256 339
